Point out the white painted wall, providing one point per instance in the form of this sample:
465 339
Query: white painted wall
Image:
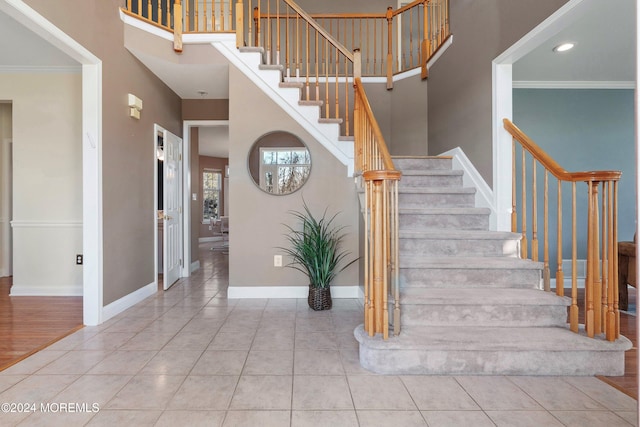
47 181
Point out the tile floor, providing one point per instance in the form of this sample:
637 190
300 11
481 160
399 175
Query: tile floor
191 357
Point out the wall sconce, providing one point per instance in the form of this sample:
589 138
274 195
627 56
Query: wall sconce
135 106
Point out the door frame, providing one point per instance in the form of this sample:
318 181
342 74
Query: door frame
187 265
92 220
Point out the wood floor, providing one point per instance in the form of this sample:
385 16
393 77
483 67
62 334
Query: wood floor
28 324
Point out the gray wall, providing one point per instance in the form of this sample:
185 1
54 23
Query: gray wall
582 130
460 81
256 218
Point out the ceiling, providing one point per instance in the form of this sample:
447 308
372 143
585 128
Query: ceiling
603 53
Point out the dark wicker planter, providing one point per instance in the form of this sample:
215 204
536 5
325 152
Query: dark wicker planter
319 298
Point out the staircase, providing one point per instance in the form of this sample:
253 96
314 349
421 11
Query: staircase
469 304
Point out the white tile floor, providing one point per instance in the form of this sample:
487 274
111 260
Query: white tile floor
190 357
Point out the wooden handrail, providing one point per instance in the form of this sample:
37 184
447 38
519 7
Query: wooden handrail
601 311
553 166
384 151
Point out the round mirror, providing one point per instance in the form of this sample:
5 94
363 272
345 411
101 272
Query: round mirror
279 163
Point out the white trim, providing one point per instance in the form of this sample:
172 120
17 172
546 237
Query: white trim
66 69
472 178
502 104
128 301
279 292
91 151
45 224
44 291
523 84
195 265
567 283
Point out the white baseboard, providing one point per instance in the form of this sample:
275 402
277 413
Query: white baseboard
127 301
46 291
240 292
195 266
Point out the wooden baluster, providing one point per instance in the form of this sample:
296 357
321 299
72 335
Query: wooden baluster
187 16
534 212
306 71
559 271
240 24
169 14
278 32
267 33
149 11
389 18
384 222
411 38
327 108
610 330
426 45
346 96
196 16
396 262
177 26
256 23
367 298
514 212
367 44
204 16
159 12
523 243
317 83
546 275
297 40
287 46
590 315
596 281
616 284
604 259
375 43
336 86
573 311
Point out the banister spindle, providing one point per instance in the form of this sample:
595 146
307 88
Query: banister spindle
589 282
546 275
534 211
559 271
523 243
389 17
573 311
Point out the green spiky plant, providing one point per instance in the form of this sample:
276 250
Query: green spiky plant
315 248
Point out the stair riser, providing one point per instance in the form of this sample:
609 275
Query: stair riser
473 362
511 316
444 221
458 247
469 278
422 164
436 200
409 181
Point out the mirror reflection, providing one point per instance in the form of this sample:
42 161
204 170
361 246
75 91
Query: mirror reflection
279 163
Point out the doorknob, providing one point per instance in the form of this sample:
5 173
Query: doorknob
167 218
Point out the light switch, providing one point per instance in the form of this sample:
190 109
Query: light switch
277 260
194 196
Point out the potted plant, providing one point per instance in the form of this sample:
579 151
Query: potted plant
315 250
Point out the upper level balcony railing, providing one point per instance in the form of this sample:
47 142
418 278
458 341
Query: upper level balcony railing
390 42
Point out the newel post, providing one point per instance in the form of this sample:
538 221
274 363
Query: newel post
177 26
239 24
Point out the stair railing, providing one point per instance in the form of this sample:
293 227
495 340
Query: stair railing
381 179
601 314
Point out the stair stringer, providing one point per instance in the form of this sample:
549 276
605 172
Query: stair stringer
288 98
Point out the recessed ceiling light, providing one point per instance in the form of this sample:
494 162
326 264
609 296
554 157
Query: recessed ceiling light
563 47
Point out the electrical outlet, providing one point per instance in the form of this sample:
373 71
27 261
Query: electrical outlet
79 259
277 260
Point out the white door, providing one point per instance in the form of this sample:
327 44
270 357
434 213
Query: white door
172 197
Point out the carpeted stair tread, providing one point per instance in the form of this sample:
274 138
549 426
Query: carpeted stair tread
477 339
480 296
458 234
473 263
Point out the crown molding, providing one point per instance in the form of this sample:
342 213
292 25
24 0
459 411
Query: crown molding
533 84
